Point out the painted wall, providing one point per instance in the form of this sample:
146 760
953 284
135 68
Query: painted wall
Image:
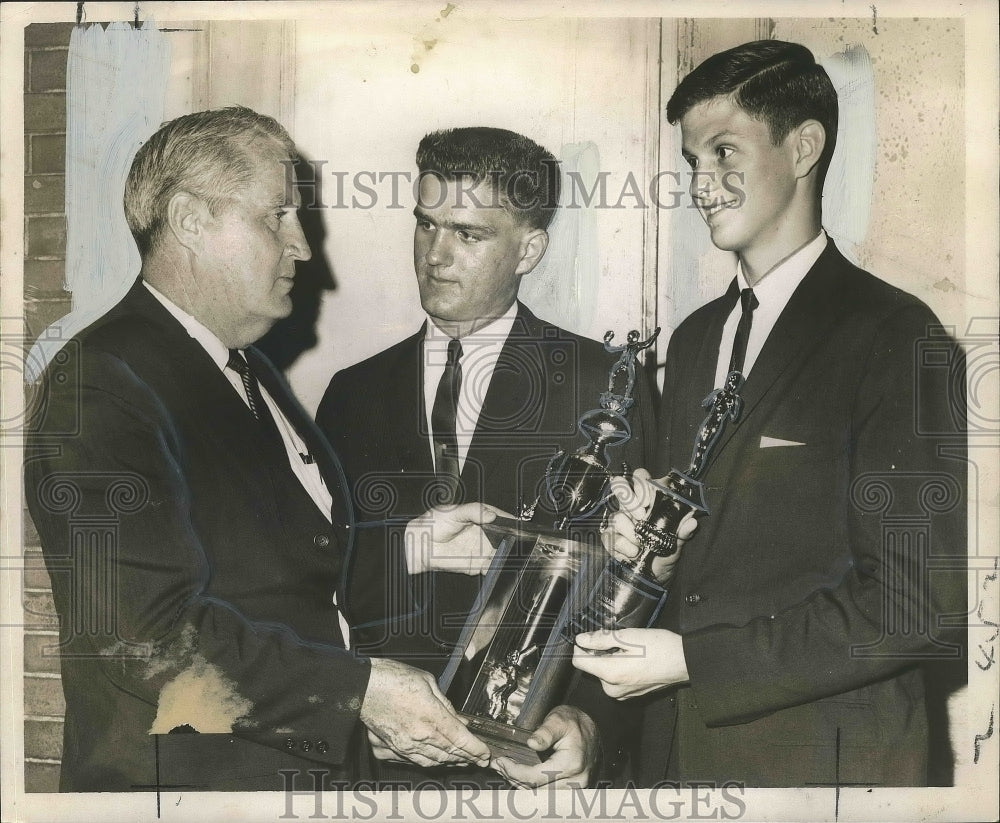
368 90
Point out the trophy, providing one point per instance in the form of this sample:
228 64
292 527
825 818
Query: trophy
626 594
514 657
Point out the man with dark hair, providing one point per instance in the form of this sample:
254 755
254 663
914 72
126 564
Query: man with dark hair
194 521
514 389
790 649
523 176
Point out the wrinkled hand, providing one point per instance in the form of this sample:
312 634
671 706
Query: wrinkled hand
634 502
408 718
575 744
631 662
450 540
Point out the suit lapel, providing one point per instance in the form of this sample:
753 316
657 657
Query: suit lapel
702 374
201 393
326 459
403 402
504 399
801 326
510 384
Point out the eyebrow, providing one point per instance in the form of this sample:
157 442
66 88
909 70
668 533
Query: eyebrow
725 134
455 225
281 201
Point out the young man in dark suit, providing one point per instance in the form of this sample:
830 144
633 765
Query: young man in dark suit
800 611
486 198
194 521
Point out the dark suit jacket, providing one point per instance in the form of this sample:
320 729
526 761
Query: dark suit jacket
815 586
192 574
374 415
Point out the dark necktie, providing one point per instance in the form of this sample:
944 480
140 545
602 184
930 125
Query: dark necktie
256 400
748 300
444 415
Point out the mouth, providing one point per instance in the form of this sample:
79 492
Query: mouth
710 208
437 280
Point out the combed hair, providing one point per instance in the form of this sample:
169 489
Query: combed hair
773 81
210 154
523 174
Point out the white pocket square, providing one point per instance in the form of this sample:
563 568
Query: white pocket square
771 442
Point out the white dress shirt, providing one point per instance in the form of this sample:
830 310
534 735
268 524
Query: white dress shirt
480 352
773 292
308 474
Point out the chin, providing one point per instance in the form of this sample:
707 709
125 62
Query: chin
725 241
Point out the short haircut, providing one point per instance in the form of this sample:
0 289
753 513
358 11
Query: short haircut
777 82
524 175
211 154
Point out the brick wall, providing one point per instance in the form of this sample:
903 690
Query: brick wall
45 300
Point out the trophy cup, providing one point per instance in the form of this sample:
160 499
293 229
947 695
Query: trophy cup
514 656
626 594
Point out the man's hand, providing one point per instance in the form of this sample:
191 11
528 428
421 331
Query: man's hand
450 540
634 502
409 719
631 662
575 745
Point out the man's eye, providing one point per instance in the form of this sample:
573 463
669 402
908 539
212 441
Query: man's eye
692 161
724 152
465 237
424 225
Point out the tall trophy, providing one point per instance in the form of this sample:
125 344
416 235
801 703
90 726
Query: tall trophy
627 595
548 583
514 657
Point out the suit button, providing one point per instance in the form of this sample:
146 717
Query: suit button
321 541
289 743
306 745
322 747
693 599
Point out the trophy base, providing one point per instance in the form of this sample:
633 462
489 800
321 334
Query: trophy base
503 740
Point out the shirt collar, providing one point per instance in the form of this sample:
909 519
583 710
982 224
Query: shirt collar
195 328
779 283
493 333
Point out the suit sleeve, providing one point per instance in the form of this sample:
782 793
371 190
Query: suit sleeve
166 641
886 612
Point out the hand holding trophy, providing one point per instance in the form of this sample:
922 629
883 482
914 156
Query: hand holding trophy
548 583
513 660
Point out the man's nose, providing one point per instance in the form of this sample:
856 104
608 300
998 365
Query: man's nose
701 184
440 252
297 245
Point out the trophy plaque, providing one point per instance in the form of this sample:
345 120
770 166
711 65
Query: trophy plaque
513 660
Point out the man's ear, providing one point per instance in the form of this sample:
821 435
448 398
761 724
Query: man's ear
809 139
533 246
186 217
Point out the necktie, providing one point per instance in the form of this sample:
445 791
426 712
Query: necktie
257 405
444 415
748 300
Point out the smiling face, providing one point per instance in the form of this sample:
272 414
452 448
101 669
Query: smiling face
469 254
246 262
748 189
